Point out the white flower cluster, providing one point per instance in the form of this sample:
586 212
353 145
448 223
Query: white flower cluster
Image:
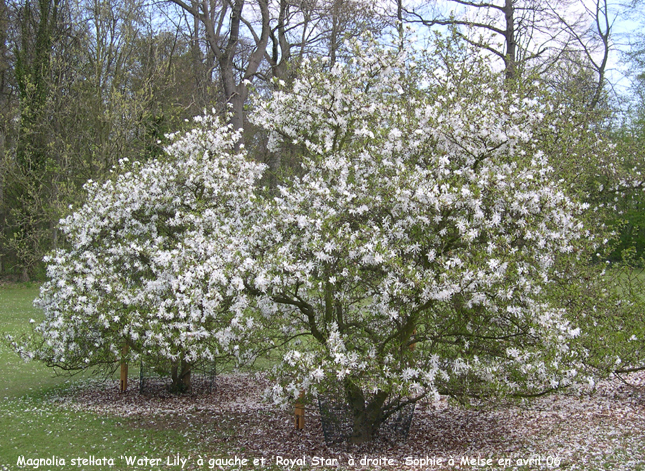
416 247
148 257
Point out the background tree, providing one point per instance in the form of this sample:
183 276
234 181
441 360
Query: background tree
26 191
4 73
594 43
238 60
526 35
316 28
113 87
7 108
629 137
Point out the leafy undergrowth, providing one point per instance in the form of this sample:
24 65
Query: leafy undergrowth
603 431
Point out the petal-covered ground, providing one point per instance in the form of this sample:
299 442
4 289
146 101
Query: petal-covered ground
602 431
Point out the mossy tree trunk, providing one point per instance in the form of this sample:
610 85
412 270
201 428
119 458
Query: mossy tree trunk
180 373
367 415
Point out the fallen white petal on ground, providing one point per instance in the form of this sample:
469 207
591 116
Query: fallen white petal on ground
601 431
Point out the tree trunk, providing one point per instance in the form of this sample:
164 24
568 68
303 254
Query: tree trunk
180 374
367 416
123 385
235 87
511 41
334 42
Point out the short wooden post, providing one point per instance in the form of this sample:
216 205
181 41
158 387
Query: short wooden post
300 411
123 385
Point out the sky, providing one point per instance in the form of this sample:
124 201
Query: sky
626 24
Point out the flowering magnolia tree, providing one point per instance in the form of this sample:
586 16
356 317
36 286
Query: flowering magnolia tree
147 261
408 258
413 251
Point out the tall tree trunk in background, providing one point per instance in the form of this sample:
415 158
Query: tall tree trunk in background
4 105
335 38
399 22
196 54
279 57
595 44
526 34
222 28
38 23
33 63
4 70
510 58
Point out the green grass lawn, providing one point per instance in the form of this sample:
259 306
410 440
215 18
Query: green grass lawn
38 428
33 425
20 378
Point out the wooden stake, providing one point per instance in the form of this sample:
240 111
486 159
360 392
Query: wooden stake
413 346
300 412
123 385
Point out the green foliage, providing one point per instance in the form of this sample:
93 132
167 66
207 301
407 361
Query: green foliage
629 219
94 85
608 301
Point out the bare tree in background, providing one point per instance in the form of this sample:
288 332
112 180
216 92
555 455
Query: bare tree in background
594 42
238 61
519 32
348 18
300 28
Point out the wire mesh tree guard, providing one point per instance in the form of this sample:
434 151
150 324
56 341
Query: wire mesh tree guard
337 422
155 379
